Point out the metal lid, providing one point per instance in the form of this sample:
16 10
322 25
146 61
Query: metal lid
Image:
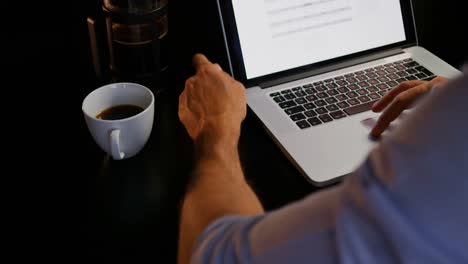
134 6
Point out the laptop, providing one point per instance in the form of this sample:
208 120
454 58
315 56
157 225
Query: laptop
313 69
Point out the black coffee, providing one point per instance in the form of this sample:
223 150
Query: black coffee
120 112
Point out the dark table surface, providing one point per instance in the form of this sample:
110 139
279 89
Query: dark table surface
130 208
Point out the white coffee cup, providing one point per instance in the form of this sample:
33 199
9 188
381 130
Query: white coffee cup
123 138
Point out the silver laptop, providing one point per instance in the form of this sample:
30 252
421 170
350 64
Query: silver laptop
313 69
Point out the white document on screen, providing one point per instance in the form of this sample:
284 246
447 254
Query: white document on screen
277 35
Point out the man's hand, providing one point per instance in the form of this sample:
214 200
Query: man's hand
213 104
400 99
212 108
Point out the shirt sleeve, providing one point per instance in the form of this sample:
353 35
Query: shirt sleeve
406 204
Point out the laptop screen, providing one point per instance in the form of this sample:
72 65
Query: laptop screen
278 35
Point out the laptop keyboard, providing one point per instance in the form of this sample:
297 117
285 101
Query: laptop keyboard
324 101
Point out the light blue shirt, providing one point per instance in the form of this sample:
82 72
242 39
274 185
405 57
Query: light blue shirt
408 203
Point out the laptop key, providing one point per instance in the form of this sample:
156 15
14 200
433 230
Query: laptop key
287 104
311 98
310 91
424 70
400 67
300 101
383 79
303 124
321 111
342 83
364 99
321 88
400 80
382 86
298 117
314 121
322 95
363 84
374 96
309 106
392 84
362 78
381 72
352 94
338 114
331 108
393 76
411 71
402 74
274 94
289 96
359 73
353 101
343 90
341 97
300 94
362 92
326 118
411 64
421 75
295 89
294 110
373 81
359 108
320 103
353 87
371 75
343 104
286 91
373 89
331 100
332 92
279 99
310 113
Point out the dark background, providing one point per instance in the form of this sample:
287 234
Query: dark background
47 58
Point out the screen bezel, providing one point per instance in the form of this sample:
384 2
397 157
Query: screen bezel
237 62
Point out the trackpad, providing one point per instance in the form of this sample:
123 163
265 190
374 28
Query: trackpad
370 123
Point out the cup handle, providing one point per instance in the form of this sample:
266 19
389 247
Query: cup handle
115 145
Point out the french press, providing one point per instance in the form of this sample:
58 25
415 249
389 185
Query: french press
129 41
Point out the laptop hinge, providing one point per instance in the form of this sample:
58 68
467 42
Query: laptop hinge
330 68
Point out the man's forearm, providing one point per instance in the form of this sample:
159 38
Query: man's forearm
217 189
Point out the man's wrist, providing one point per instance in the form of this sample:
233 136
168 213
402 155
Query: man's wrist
218 136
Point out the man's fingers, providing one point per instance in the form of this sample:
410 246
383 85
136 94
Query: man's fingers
182 104
398 105
199 60
390 96
401 102
189 82
218 67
